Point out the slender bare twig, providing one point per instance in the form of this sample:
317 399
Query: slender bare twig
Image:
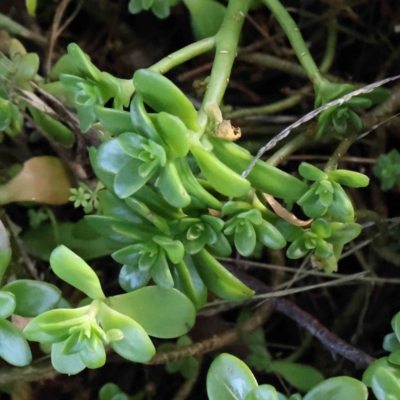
329 340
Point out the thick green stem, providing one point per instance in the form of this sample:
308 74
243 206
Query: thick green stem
295 38
289 148
227 40
183 55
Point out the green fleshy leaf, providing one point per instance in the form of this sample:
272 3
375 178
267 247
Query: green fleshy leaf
131 277
128 255
218 279
369 373
263 392
349 178
391 343
7 303
160 271
74 270
136 345
269 236
206 17
322 228
221 248
173 248
171 186
5 250
65 364
53 326
142 209
174 131
113 228
93 358
343 233
132 143
311 173
341 387
323 249
254 216
394 357
33 297
13 347
108 391
302 377
168 312
385 385
129 180
233 207
114 121
297 249
341 209
245 238
111 157
229 379
188 281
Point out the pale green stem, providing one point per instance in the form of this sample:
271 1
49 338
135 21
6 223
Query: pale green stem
296 39
267 109
183 55
330 47
277 63
18 30
227 40
288 149
340 151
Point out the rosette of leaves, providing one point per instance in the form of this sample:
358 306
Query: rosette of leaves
87 86
326 195
387 169
383 377
160 8
205 231
78 336
248 226
230 379
132 225
343 116
326 240
188 367
151 259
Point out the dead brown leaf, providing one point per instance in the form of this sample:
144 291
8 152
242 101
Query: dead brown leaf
42 180
285 214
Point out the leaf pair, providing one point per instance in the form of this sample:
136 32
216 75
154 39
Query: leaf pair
248 227
325 239
196 233
150 260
